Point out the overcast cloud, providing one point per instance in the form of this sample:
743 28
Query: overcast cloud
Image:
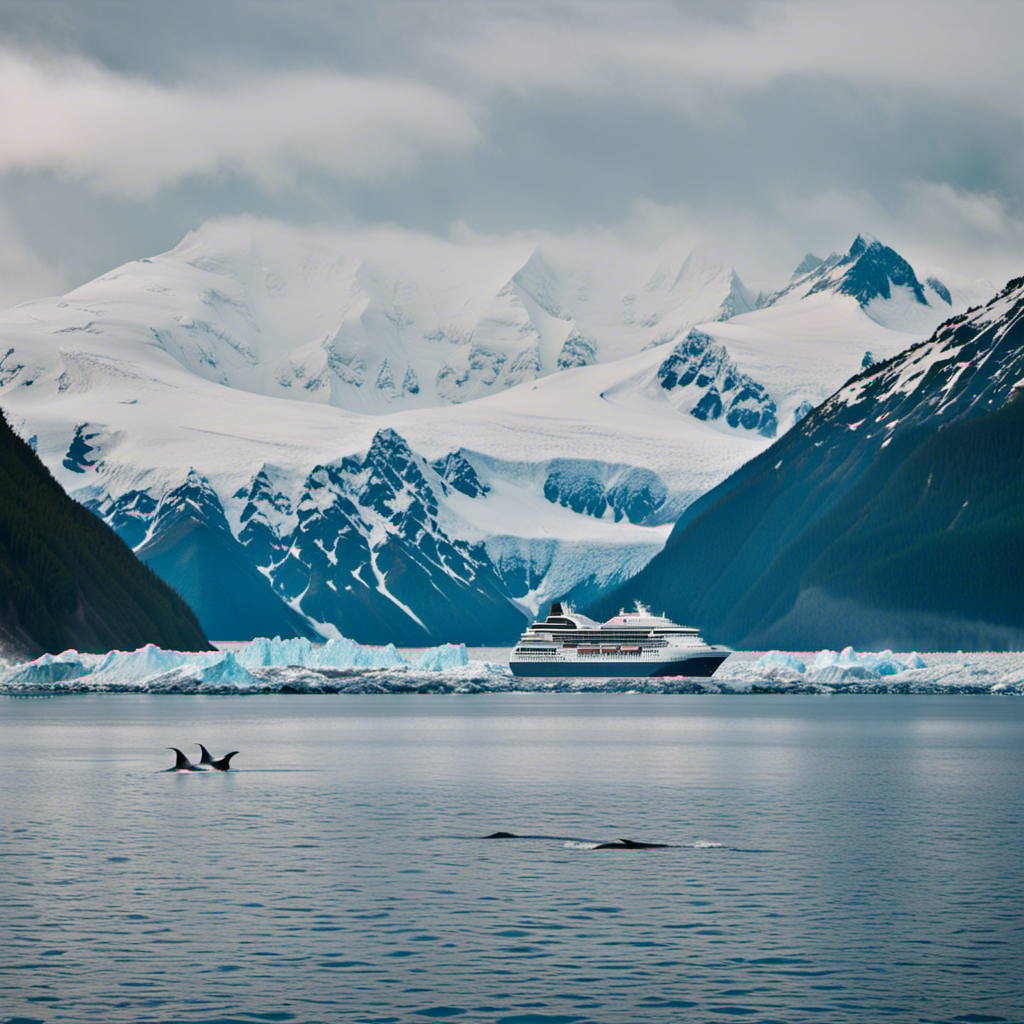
766 128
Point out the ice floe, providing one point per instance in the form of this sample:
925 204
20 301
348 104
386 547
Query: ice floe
343 666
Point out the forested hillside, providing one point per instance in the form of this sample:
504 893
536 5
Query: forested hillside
66 579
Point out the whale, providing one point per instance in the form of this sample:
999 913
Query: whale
615 844
182 763
631 844
221 764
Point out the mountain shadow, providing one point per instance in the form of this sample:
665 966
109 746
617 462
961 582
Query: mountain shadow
67 580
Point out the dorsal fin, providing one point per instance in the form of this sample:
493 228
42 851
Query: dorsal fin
181 761
205 757
222 763
630 844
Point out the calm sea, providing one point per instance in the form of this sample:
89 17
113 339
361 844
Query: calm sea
832 859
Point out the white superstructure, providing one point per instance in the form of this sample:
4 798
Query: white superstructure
635 643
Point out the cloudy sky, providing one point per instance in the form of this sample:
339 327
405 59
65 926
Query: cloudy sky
767 129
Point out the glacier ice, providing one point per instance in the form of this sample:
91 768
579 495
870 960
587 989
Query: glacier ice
782 659
151 667
830 666
335 654
47 669
346 667
440 659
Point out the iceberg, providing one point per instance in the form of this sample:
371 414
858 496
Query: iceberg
339 654
253 665
262 652
443 658
782 659
222 675
226 670
848 664
48 669
149 661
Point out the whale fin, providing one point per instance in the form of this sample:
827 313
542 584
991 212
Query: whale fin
630 844
205 758
181 762
502 835
222 764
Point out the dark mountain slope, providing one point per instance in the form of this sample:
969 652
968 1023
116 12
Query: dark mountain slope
191 546
893 515
66 579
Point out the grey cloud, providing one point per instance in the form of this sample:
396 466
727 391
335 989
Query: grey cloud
769 127
135 137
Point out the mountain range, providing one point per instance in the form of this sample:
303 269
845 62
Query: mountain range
401 439
891 516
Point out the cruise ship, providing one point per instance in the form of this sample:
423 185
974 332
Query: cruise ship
633 643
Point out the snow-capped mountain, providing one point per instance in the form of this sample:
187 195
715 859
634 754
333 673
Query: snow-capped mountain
377 321
892 515
332 425
834 317
884 285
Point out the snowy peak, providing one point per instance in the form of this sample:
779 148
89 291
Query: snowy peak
701 378
194 499
738 301
807 265
369 553
394 483
883 284
871 271
539 280
861 244
704 271
971 364
457 472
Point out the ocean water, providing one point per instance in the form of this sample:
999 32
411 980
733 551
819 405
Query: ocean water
830 859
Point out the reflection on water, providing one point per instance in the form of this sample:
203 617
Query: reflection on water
853 859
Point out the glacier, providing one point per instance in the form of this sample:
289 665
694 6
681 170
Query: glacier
342 666
339 425
844 666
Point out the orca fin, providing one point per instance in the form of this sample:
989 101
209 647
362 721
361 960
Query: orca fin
205 758
222 764
181 762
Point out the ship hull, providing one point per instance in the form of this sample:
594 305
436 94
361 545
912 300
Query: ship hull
699 666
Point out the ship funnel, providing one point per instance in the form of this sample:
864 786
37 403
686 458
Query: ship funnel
556 608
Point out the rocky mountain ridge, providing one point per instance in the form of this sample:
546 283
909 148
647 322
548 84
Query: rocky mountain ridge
889 516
